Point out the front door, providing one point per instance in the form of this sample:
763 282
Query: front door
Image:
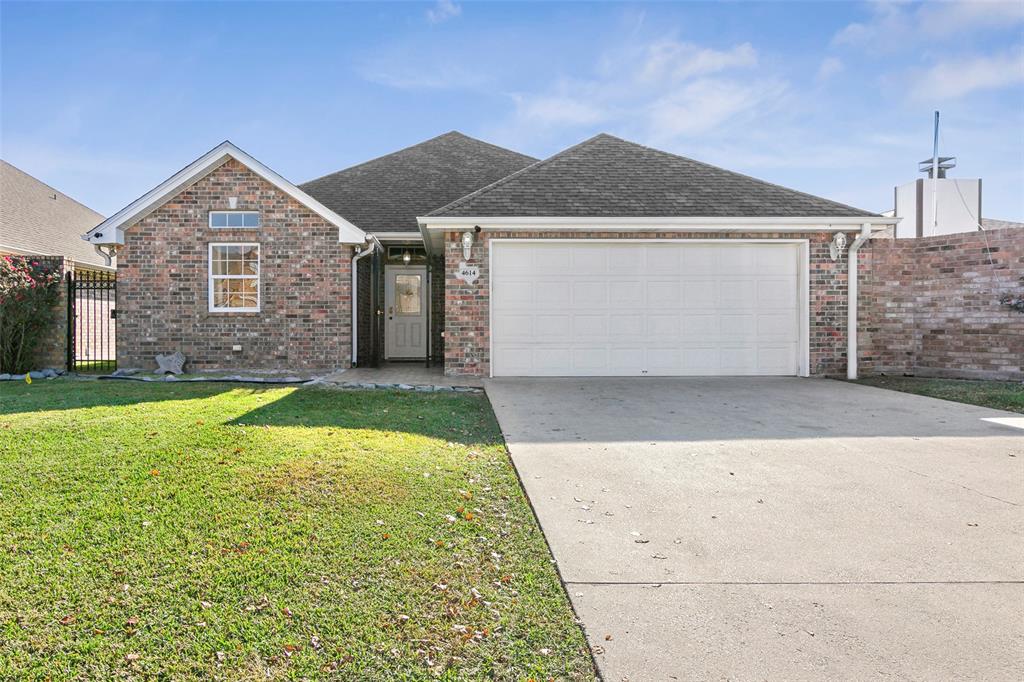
405 299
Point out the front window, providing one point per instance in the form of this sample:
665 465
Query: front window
235 278
243 219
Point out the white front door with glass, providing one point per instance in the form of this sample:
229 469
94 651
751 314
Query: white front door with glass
405 298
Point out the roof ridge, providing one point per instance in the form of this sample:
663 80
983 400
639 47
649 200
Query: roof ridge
450 133
483 190
512 176
48 185
732 172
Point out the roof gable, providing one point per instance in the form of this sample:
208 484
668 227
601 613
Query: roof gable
609 177
111 230
386 194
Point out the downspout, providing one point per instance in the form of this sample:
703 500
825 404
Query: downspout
851 301
370 246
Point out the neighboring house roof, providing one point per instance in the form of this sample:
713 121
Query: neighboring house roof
36 219
609 177
111 230
388 193
993 224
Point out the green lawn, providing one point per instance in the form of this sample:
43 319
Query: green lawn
1000 395
216 531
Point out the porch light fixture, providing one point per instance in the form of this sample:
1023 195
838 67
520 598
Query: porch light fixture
406 257
837 246
467 244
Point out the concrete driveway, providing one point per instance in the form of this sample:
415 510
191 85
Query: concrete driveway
776 528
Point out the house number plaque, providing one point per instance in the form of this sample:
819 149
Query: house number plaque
468 273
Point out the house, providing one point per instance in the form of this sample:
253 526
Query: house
608 258
38 220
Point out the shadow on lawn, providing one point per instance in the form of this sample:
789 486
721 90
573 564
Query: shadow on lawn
68 394
460 418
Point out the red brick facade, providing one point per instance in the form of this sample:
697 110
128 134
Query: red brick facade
467 334
931 306
305 283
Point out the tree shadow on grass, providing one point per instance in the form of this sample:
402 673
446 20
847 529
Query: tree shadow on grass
466 419
68 394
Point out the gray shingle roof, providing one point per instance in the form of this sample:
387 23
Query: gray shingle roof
609 177
388 193
38 219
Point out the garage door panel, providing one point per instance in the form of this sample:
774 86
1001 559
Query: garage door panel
643 308
590 293
776 293
589 261
552 294
700 293
514 294
626 293
625 324
589 327
662 260
776 260
553 327
663 293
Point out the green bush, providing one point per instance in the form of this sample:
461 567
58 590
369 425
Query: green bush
29 293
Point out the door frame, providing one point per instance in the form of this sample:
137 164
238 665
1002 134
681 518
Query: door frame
389 271
803 283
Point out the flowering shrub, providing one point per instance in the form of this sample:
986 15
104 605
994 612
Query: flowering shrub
29 292
1014 300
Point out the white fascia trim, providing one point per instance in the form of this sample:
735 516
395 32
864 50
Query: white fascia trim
398 236
633 224
111 230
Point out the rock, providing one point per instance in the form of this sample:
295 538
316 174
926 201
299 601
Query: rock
17 377
350 384
367 385
169 377
291 379
170 364
443 389
126 372
405 387
5 377
49 373
36 374
464 389
424 389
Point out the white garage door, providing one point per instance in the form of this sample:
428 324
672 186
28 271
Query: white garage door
668 308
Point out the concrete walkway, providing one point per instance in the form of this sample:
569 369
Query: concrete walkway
777 528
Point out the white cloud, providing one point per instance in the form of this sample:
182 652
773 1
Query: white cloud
898 24
670 60
443 11
658 90
706 104
411 74
830 66
953 78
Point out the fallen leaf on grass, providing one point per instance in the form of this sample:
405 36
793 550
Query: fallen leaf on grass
132 657
68 619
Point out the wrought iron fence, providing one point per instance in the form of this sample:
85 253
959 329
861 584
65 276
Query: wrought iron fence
92 321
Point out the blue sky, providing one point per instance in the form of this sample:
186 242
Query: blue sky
104 101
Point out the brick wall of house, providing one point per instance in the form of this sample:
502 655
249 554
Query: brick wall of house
467 313
437 290
931 307
305 282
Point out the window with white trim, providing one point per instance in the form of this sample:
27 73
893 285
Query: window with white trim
237 219
234 278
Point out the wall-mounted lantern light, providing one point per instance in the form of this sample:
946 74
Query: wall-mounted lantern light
467 244
837 246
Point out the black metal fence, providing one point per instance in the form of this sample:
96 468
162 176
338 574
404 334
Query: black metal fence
92 321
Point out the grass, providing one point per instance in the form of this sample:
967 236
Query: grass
211 531
1000 395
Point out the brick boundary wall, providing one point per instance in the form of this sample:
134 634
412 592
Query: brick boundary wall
930 306
467 307
305 280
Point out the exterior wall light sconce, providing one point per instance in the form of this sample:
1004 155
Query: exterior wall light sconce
837 246
467 244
